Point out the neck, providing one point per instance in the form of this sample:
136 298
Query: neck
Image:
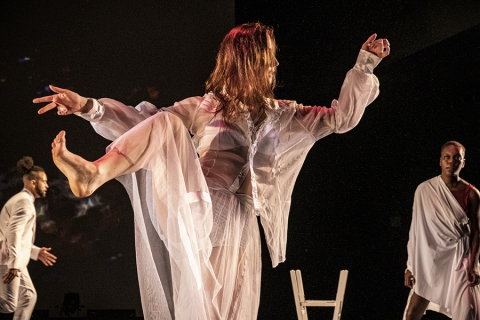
451 180
31 188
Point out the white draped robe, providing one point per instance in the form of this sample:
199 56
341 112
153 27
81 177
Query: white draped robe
438 252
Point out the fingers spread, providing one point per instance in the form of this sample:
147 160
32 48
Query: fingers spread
57 89
48 107
44 99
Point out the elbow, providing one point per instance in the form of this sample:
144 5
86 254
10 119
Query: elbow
345 127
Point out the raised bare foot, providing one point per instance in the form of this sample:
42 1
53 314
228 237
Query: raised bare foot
78 171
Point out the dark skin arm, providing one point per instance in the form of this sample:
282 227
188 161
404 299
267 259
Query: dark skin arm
409 279
473 204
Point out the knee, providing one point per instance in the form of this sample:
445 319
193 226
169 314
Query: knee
30 297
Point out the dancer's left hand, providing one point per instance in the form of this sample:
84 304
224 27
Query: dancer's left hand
46 257
379 47
409 279
472 277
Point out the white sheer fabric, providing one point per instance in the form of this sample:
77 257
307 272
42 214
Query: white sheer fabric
171 202
209 266
438 252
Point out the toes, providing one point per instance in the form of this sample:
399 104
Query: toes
60 138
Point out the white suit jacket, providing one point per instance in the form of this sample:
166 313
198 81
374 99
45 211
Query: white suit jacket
17 231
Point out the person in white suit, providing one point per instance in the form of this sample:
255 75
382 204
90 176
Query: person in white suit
17 235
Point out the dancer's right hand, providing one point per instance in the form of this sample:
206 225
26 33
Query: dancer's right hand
10 275
66 102
409 279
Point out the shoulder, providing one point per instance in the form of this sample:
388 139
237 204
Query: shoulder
428 186
473 195
20 196
186 106
429 182
286 107
197 100
19 200
209 102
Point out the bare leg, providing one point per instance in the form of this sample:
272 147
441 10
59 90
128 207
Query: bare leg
84 176
416 308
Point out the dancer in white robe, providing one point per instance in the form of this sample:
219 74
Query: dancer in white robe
197 236
442 267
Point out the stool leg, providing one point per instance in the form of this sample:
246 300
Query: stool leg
342 283
296 295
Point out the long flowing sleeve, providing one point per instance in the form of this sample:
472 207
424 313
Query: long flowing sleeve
359 89
111 118
291 132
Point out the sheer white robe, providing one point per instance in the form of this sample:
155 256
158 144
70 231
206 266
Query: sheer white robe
438 252
200 263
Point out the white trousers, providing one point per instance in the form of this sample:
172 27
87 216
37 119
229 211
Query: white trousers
19 296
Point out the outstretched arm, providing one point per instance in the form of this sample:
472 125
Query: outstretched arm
361 86
109 118
359 89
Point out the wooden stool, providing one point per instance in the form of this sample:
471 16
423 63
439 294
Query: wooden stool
302 304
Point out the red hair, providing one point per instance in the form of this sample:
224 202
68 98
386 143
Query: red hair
245 63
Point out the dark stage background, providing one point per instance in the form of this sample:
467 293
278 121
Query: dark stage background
352 204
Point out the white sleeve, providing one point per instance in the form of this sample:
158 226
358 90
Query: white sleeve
34 252
111 118
359 89
19 217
